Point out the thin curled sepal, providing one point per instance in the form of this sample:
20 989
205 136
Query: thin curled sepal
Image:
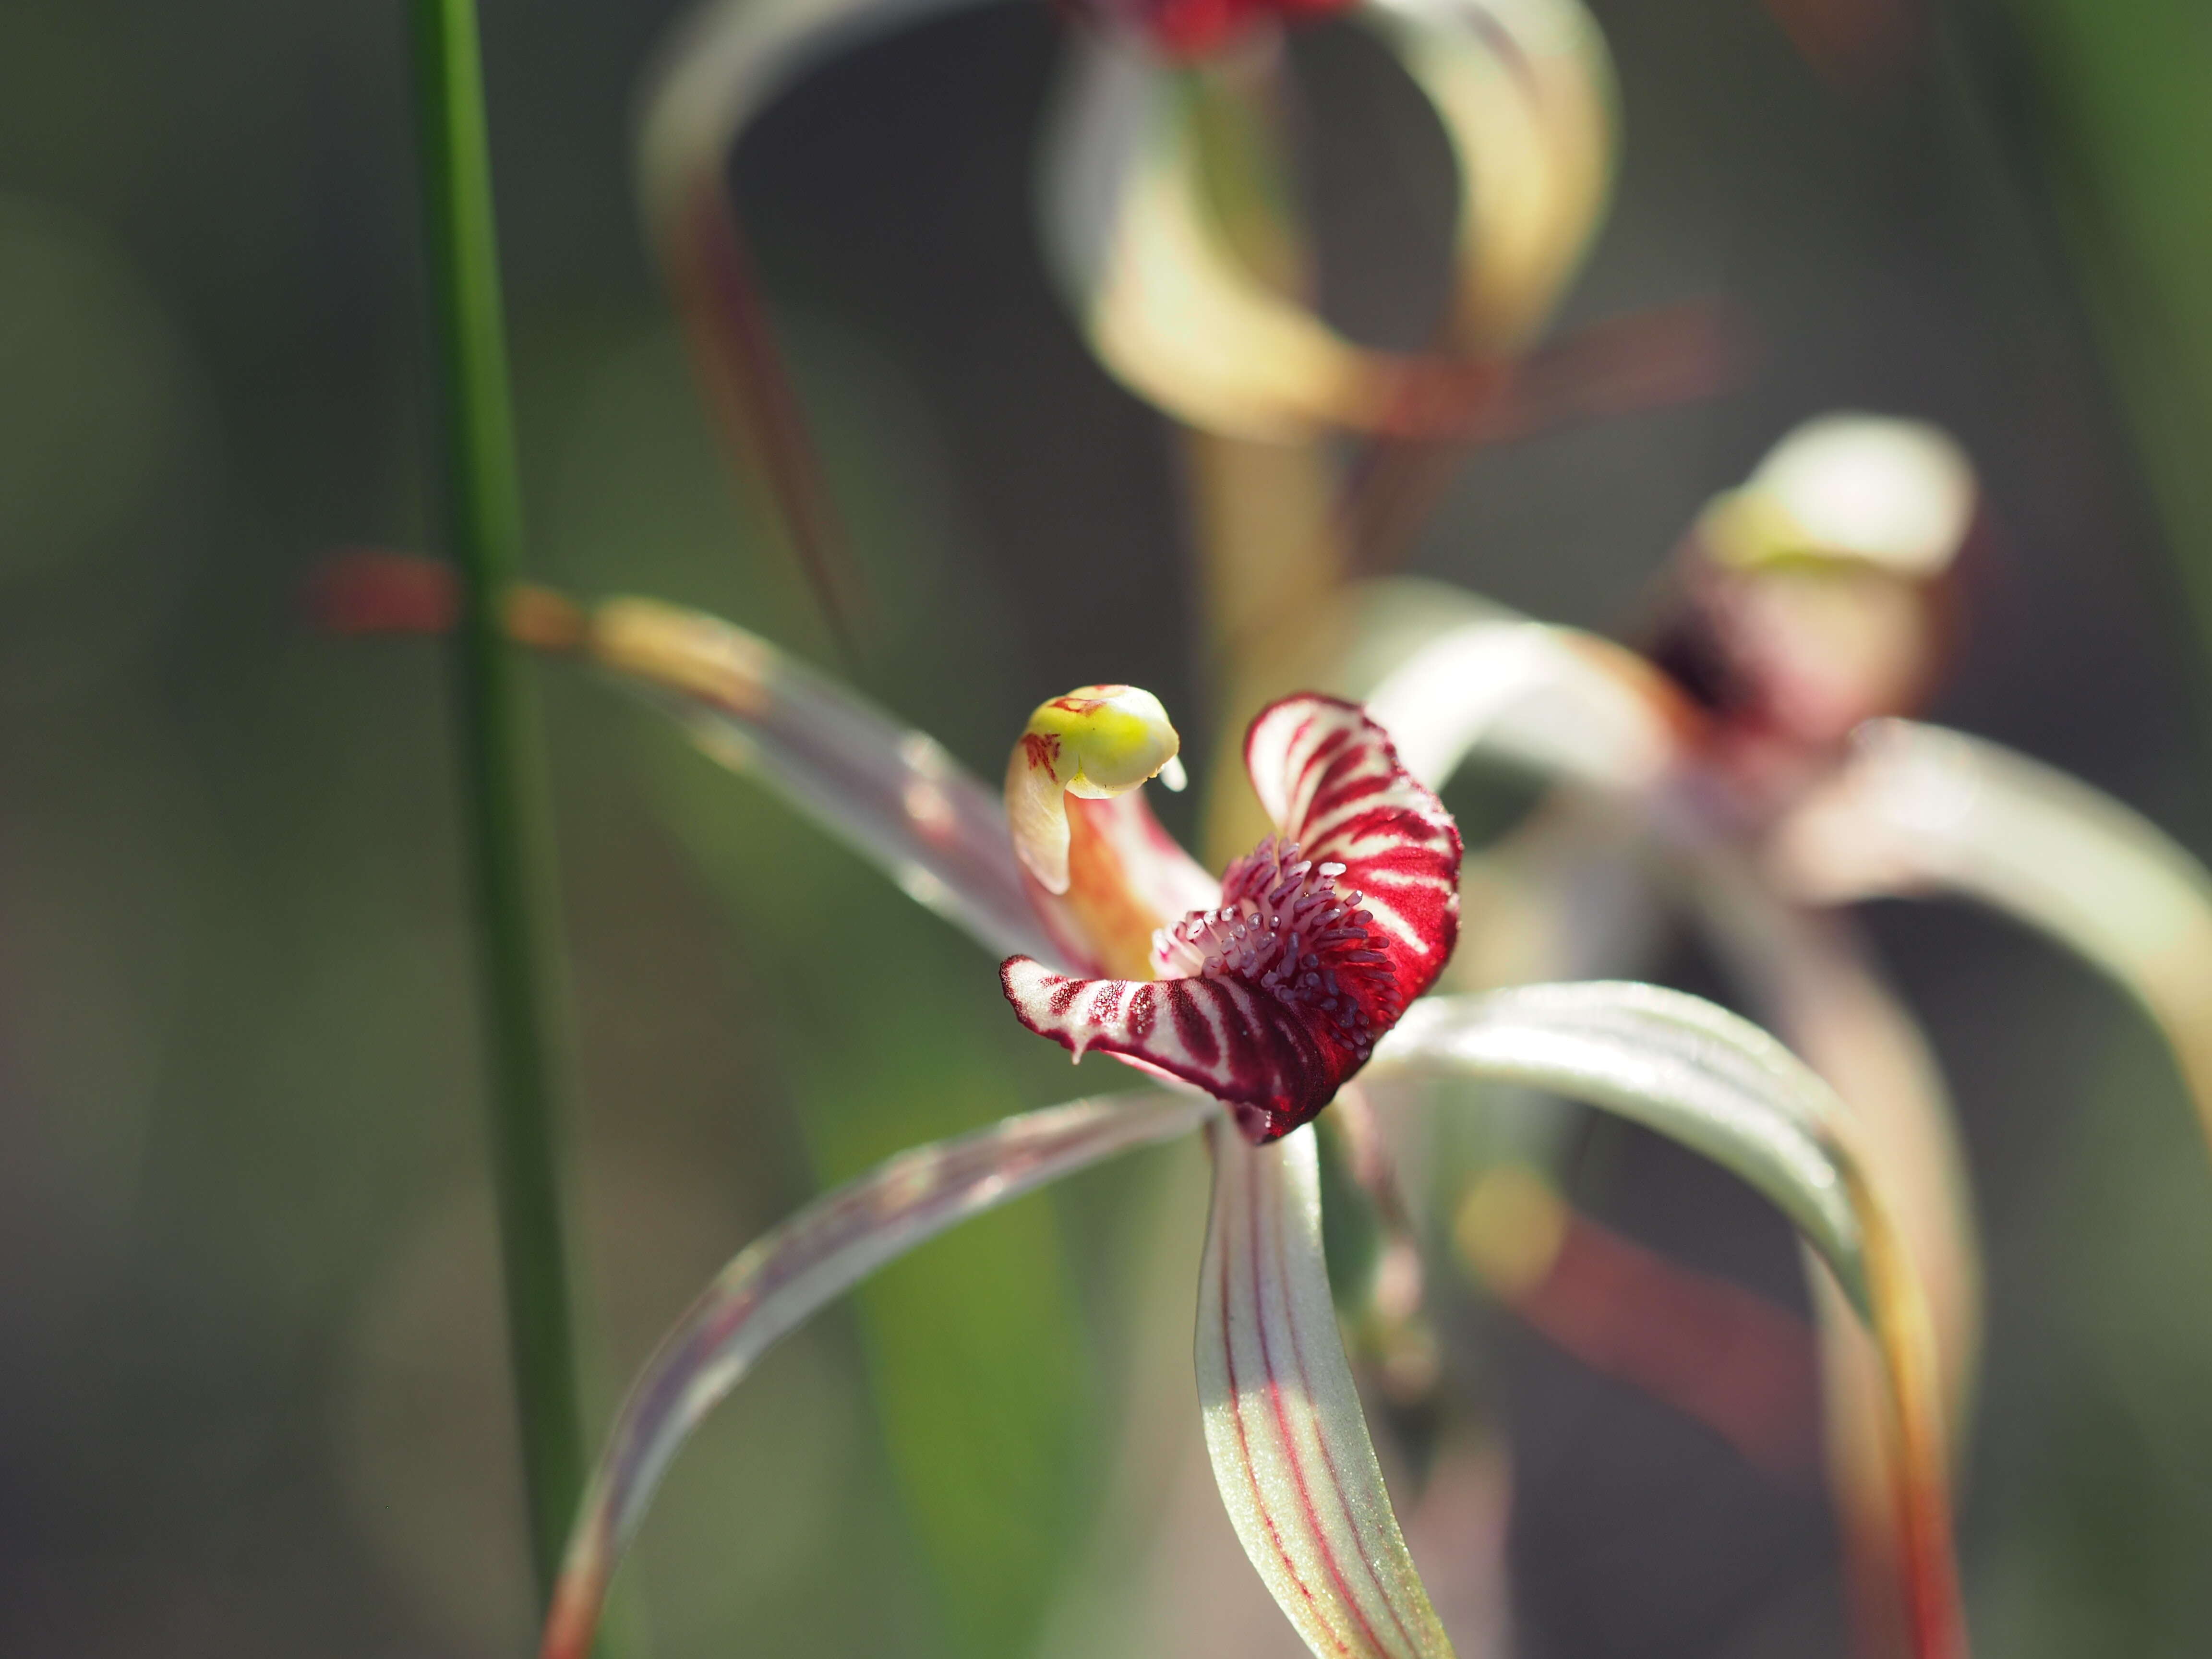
720 68
1324 936
1724 1088
792 1272
1676 1063
1919 810
1454 678
887 790
1522 92
1282 1422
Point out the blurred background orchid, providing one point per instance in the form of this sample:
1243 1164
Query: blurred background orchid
940 272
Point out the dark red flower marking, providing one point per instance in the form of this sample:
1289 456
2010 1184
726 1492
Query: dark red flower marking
1075 705
1273 998
1191 28
1042 749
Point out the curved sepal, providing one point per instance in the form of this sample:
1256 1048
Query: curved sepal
1674 1063
726 62
1806 974
1810 980
889 792
1282 1421
788 1275
1568 705
1917 809
1725 1089
1164 304
1523 91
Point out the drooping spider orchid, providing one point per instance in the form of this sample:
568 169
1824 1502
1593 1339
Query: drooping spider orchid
1757 769
1255 997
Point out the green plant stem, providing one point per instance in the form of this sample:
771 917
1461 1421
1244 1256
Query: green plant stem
507 812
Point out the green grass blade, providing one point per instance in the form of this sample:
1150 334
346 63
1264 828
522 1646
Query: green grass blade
507 813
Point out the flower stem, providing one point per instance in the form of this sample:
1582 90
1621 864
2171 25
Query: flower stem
507 810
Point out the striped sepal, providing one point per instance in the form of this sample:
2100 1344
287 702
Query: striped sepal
790 1274
1282 1421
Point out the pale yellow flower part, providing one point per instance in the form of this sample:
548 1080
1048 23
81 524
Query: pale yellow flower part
1898 495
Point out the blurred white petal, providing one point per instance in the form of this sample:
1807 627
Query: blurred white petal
1531 126
1893 493
1918 810
1456 677
1523 91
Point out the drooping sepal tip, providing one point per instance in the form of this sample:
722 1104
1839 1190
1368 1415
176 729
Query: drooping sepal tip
371 590
1096 742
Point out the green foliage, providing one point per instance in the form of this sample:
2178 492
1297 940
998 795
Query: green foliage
2130 125
508 810
2095 1460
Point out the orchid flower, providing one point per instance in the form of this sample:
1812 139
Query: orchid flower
1139 240
1253 1000
1806 602
1521 87
1759 771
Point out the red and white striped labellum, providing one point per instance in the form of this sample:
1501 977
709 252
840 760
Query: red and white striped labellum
1271 996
